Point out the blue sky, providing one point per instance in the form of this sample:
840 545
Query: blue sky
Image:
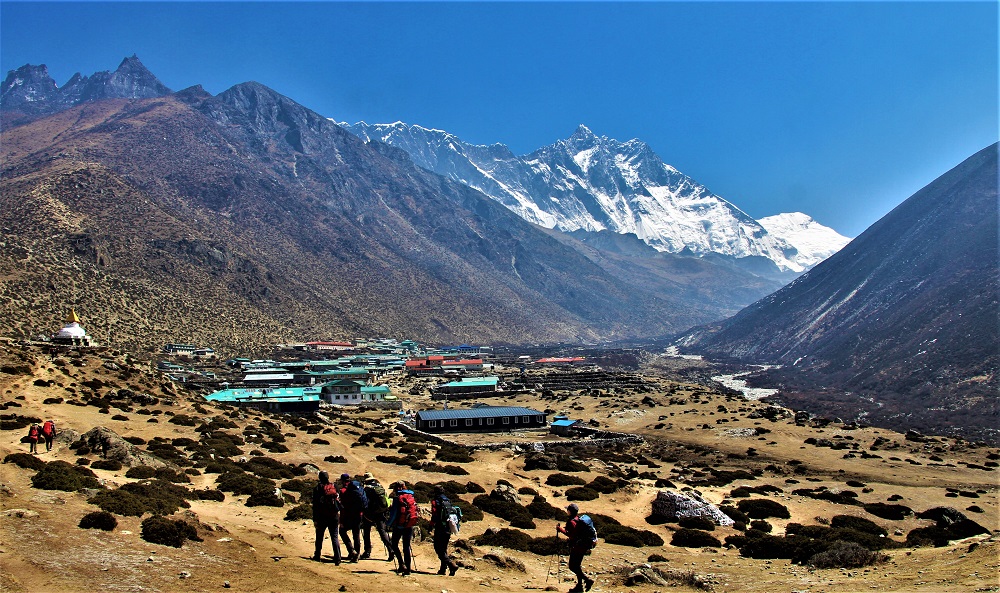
840 110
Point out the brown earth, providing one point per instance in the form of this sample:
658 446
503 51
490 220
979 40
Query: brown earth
254 549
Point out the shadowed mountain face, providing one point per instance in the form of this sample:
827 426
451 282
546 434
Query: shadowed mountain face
246 219
904 318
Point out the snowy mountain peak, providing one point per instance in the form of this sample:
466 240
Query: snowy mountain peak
594 183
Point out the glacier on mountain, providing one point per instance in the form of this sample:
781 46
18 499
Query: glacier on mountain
594 183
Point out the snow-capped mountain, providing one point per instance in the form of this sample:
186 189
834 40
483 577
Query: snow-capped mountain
593 183
811 240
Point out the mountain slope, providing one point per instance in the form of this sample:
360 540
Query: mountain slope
905 315
596 183
246 219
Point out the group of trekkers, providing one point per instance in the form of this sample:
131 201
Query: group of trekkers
351 508
46 432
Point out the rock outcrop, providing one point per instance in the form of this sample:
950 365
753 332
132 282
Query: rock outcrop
673 505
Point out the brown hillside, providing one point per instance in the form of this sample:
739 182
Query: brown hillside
254 549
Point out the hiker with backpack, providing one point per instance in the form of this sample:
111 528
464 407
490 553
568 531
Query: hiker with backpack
403 517
48 433
33 433
375 515
446 519
582 537
353 502
326 516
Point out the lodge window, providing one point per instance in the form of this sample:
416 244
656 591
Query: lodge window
489 422
432 424
506 420
515 419
468 421
525 419
453 422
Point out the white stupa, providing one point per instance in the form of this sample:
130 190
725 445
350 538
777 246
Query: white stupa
72 334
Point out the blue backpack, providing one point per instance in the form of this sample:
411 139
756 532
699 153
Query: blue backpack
586 535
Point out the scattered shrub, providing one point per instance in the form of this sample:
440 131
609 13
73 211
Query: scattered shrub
99 520
734 513
565 464
474 488
25 460
891 512
564 480
762 509
243 483
694 538
301 512
107 464
166 532
140 472
209 494
335 459
605 485
541 509
858 524
512 539
846 555
656 558
527 491
265 499
581 493
511 511
761 526
60 475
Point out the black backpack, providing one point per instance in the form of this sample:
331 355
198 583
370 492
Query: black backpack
448 513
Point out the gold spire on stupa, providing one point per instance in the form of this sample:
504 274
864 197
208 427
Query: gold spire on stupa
73 318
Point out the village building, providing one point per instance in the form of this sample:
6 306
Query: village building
479 419
564 427
72 334
290 400
349 392
468 385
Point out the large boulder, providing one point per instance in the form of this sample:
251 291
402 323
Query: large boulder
110 445
506 493
672 505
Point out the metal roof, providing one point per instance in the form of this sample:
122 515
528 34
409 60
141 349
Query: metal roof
483 412
474 382
564 422
289 394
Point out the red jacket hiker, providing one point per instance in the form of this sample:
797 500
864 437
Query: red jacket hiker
33 433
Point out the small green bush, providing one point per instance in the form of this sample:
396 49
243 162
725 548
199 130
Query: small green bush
265 499
891 512
242 483
107 464
857 524
605 485
301 512
60 475
582 493
99 520
844 554
209 494
140 472
564 480
565 464
25 460
512 539
694 538
762 509
166 532
541 509
513 512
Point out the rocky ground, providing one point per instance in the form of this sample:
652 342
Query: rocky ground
716 444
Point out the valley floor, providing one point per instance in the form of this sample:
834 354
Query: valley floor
689 430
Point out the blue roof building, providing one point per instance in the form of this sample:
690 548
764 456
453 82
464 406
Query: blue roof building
480 419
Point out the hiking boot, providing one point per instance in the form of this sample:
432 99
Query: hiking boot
317 558
577 589
587 584
365 556
442 571
453 570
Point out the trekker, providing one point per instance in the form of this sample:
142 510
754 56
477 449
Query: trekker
353 501
375 515
403 516
33 433
48 433
580 544
326 516
444 516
